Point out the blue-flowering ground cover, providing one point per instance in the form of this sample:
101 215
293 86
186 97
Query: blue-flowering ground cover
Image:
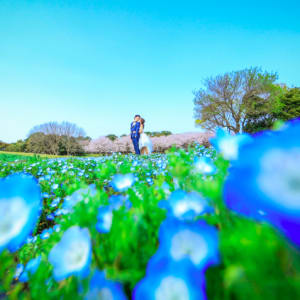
189 224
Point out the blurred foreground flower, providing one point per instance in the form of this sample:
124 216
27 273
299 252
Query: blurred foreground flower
204 165
178 240
19 270
167 282
78 196
105 213
104 217
20 203
116 201
265 182
72 255
228 145
101 288
122 182
31 268
186 206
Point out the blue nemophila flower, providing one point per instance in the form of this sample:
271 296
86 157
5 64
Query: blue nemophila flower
101 288
30 268
56 228
265 182
50 217
45 234
228 144
122 182
31 239
20 199
62 211
55 202
116 201
72 254
149 180
42 178
19 270
167 191
172 281
104 217
186 206
178 240
45 195
204 165
55 186
78 196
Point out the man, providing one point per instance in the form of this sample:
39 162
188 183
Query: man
135 133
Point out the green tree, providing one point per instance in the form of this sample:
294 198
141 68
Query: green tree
38 143
112 137
3 145
290 105
227 100
19 146
158 133
57 138
287 108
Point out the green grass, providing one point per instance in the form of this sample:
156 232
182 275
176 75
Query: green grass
19 155
256 261
25 154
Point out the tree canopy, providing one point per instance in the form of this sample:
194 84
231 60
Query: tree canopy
228 100
288 108
290 104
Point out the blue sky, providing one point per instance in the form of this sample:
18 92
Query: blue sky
97 63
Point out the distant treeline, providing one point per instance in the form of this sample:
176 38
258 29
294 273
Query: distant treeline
113 137
248 101
51 138
60 139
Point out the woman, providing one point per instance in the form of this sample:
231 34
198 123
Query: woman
145 143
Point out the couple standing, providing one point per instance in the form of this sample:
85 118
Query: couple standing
141 142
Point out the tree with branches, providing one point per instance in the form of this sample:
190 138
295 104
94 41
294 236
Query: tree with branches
227 100
56 138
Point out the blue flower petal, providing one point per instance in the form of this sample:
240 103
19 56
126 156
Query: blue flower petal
105 216
171 281
228 145
20 198
122 182
31 268
178 241
72 255
186 206
101 288
264 183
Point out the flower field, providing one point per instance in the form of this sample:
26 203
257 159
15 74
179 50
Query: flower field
203 223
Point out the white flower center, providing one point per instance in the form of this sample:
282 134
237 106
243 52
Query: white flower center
105 294
229 147
204 167
172 288
124 183
77 255
14 217
280 177
188 243
185 205
107 220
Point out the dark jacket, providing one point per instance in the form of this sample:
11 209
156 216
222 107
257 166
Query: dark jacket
135 130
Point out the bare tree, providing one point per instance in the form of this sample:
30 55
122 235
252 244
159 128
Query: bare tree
227 99
58 136
55 128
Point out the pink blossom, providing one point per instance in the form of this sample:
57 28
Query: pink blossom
160 144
